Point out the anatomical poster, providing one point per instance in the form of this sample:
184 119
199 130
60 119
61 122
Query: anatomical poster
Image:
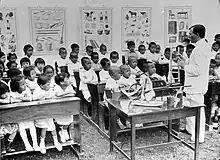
8 30
136 25
177 23
47 29
96 27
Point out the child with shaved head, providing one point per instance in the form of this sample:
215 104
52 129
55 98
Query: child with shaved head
126 79
132 63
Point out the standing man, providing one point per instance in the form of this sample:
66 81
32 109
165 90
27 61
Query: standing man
197 75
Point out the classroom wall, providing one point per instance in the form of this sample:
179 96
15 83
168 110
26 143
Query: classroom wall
203 11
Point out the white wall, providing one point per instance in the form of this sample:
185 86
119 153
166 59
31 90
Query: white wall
203 11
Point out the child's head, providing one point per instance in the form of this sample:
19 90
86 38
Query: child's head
95 57
189 49
44 82
217 59
2 57
115 72
12 57
48 71
62 79
29 73
167 53
180 49
131 46
151 69
105 63
142 65
217 38
11 65
186 41
18 84
132 61
75 48
28 50
39 63
114 56
4 91
157 48
125 71
13 72
63 52
103 49
2 66
141 49
86 63
73 57
24 62
89 50
215 46
152 47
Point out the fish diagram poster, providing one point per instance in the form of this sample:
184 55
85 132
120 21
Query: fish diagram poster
96 27
177 23
48 29
136 26
8 30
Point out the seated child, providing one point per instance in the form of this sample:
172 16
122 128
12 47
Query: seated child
104 73
48 71
11 65
43 91
75 48
39 65
95 61
89 50
62 63
19 92
131 51
114 59
103 52
151 70
62 89
142 51
10 128
126 79
30 78
24 62
145 80
87 76
28 52
164 58
132 62
74 65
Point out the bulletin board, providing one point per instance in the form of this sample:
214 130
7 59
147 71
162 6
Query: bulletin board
136 25
177 23
8 30
96 27
48 29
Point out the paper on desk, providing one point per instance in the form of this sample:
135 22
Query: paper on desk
125 105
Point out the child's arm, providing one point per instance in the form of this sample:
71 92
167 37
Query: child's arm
68 92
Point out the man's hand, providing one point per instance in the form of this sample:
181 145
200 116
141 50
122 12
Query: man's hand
181 63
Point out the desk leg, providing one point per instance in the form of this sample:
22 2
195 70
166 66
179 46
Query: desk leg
0 148
77 131
197 128
169 129
113 126
132 139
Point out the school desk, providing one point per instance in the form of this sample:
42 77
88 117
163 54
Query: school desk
15 112
147 114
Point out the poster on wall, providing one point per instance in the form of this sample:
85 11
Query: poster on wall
177 23
8 30
136 25
96 27
47 29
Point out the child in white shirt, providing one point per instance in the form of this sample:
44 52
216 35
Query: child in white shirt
74 65
95 61
131 51
151 53
132 62
30 77
142 51
39 65
103 52
28 52
104 73
48 71
43 91
126 79
87 76
62 63
19 92
62 89
151 70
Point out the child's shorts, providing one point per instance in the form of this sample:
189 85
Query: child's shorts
45 123
8 129
64 120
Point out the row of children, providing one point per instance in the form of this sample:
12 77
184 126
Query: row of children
27 87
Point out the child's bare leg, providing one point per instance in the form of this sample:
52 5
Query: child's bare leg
56 143
23 134
42 140
34 138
